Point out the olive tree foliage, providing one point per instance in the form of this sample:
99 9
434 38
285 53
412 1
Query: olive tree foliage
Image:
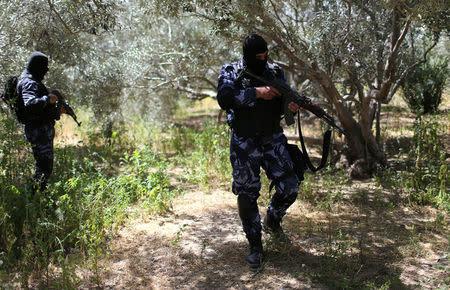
353 53
167 58
149 62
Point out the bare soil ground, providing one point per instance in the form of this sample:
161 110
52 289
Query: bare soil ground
200 245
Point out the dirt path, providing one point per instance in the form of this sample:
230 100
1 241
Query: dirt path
201 245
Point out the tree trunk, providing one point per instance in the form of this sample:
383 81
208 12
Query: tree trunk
378 125
363 152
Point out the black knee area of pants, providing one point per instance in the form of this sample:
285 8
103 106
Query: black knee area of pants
247 208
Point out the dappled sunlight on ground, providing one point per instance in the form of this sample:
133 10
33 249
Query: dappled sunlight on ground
200 244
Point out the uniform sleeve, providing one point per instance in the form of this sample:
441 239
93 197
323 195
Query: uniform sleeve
229 95
31 101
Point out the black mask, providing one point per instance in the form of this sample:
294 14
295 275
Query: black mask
38 65
253 45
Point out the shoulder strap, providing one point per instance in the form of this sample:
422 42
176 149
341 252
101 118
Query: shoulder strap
325 151
325 147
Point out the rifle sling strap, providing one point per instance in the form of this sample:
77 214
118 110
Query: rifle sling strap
325 151
325 147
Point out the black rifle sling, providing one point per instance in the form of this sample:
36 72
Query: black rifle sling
325 151
325 147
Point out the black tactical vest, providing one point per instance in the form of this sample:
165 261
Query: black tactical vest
264 118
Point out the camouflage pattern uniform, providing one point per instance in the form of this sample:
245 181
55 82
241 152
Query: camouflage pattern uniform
40 117
247 155
257 140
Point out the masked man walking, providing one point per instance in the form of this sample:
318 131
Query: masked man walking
254 113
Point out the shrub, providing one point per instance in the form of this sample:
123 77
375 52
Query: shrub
422 88
430 173
208 161
86 199
15 184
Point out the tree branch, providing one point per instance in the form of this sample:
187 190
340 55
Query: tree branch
359 87
407 71
52 8
389 73
402 36
275 11
175 84
194 94
351 98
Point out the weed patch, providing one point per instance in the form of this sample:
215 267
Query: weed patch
87 199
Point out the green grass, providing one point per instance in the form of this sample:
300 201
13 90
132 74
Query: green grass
89 195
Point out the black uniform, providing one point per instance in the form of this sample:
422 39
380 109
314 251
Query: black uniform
40 116
257 140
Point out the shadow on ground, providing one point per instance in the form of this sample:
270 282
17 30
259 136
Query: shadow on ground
209 250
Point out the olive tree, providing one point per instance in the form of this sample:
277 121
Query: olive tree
167 58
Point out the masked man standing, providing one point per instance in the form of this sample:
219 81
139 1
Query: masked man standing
254 112
41 111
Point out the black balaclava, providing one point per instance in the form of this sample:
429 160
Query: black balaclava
254 44
38 65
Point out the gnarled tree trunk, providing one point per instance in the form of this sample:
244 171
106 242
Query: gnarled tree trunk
362 151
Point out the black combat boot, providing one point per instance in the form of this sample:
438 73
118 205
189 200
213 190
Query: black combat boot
248 212
255 257
273 227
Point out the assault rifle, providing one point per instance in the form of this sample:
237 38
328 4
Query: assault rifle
62 102
290 95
